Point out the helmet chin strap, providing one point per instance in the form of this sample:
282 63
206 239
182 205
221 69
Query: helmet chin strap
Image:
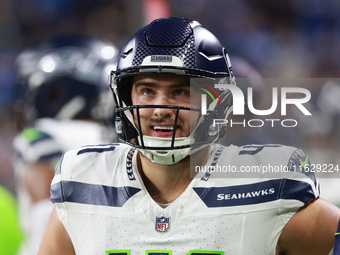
164 157
168 157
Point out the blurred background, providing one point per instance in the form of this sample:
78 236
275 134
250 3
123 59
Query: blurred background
280 39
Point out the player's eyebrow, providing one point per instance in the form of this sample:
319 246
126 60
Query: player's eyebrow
153 84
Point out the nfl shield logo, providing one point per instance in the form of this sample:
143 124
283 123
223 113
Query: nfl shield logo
162 224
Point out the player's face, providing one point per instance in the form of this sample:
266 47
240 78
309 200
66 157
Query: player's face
162 89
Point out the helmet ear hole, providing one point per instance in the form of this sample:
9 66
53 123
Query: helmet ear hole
129 128
124 90
222 131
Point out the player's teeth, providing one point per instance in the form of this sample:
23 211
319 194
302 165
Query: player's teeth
164 128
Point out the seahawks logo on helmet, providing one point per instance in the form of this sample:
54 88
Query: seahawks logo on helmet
161 58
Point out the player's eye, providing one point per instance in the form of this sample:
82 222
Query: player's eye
147 92
180 92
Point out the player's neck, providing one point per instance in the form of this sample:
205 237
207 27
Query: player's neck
165 183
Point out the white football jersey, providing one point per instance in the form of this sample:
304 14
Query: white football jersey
46 141
106 209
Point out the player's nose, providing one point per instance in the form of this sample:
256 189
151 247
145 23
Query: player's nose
165 111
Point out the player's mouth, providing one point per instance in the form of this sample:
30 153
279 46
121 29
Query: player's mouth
162 130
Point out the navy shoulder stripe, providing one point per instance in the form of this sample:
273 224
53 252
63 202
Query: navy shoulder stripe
92 194
256 193
299 190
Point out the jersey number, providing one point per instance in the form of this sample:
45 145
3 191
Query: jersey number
253 149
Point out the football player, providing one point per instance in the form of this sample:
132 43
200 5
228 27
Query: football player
60 104
146 197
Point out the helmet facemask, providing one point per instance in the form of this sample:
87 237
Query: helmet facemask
194 52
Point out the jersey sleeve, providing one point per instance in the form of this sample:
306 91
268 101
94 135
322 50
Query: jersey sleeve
304 185
286 166
298 187
88 168
56 185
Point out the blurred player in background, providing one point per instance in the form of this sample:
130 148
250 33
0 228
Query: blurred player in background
62 102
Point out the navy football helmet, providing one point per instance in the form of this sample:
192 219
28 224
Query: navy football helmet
177 46
64 78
